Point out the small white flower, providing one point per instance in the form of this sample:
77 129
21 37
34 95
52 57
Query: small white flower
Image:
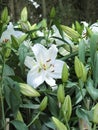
45 67
6 35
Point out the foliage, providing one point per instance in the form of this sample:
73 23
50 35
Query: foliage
66 96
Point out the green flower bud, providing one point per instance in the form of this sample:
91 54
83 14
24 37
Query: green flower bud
84 75
60 93
59 124
67 107
43 103
7 49
64 73
24 14
27 90
19 116
78 67
95 116
4 15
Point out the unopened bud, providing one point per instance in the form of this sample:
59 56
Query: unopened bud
95 116
43 103
64 73
78 67
59 124
27 90
60 93
67 107
19 116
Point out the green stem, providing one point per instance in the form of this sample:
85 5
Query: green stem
34 119
94 128
82 93
2 99
67 124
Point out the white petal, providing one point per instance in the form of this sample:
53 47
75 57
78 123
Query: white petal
50 81
58 65
29 62
40 52
10 31
52 53
34 78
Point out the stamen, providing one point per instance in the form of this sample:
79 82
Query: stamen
5 40
44 66
48 60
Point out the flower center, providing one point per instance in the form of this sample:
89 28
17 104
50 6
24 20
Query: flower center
48 65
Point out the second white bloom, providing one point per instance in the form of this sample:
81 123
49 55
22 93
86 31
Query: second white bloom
45 67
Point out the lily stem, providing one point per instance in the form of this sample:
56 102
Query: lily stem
80 85
34 119
94 128
2 98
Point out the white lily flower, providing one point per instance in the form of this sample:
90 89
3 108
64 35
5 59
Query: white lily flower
6 35
45 68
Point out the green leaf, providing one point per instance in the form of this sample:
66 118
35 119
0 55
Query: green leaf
53 106
82 114
93 47
95 72
82 51
8 71
24 15
30 106
78 97
19 125
13 95
23 50
93 92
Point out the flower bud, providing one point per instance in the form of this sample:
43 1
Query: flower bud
78 67
59 124
19 116
27 90
84 75
95 116
64 73
67 107
4 15
60 93
43 103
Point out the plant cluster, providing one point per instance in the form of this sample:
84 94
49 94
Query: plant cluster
48 74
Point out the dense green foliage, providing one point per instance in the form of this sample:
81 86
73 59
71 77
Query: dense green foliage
71 104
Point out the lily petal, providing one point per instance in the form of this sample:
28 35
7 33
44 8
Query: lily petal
29 62
34 78
52 52
50 81
10 31
58 65
40 52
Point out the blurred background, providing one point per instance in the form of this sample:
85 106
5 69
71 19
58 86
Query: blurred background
67 11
